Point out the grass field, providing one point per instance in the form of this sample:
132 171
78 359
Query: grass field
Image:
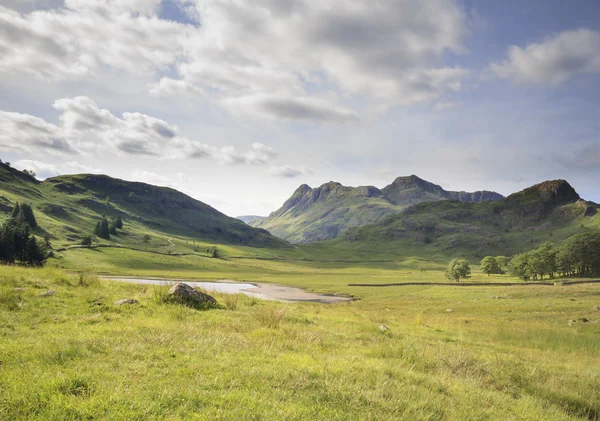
397 353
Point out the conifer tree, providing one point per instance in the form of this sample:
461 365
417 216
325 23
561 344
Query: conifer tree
15 211
28 215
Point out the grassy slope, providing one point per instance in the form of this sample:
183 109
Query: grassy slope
489 359
326 212
68 207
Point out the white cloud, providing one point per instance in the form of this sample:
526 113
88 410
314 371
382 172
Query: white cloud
41 169
73 41
288 171
86 128
44 170
281 60
169 87
20 132
554 61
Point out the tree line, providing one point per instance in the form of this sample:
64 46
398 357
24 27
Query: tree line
17 243
579 255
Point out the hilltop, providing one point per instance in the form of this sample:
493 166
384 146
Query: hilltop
69 206
326 212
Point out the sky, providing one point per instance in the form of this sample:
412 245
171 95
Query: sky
237 103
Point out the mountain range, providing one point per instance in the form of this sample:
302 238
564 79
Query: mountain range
549 211
409 219
327 212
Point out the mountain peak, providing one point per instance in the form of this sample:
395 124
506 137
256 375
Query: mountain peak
551 192
302 190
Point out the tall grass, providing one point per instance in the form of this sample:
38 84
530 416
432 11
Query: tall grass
270 316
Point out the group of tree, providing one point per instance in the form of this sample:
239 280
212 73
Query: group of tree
104 229
17 243
577 256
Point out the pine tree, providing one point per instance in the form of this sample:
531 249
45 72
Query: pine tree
16 210
28 214
113 230
104 230
33 254
119 222
97 229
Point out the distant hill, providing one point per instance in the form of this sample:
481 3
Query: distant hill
250 219
549 211
68 207
326 212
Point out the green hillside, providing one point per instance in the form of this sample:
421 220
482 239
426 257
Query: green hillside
549 211
68 207
312 215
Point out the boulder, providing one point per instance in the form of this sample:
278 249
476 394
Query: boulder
126 301
185 294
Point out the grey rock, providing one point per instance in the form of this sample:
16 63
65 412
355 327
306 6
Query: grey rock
597 308
126 301
187 294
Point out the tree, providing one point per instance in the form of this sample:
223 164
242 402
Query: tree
146 238
489 265
102 229
15 211
502 262
33 254
458 268
519 266
28 215
86 241
113 230
119 222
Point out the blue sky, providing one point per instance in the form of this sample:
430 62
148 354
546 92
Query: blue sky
237 104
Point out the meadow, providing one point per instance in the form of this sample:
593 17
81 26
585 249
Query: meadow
418 353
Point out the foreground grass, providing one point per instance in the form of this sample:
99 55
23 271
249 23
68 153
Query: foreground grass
395 354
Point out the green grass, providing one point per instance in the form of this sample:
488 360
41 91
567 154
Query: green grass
67 357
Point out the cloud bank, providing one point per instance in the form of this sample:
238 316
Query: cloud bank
280 60
87 129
